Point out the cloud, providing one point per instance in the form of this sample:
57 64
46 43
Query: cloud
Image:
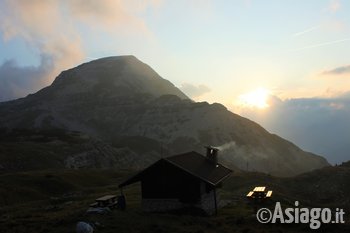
345 95
41 26
194 90
111 15
334 6
338 70
17 81
319 125
51 29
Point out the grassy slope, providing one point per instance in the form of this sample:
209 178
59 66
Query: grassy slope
21 149
53 201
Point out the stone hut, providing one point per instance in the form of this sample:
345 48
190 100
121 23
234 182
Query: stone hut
182 181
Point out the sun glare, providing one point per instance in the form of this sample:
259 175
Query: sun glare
255 99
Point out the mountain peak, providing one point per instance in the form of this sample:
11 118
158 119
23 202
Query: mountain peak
126 103
112 59
118 75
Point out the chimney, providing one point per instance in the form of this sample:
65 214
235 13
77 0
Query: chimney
212 154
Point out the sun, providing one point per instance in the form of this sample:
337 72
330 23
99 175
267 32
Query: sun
255 99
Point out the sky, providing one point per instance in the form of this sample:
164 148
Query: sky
262 59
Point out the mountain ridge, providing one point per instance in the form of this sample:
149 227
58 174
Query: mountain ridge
119 72
125 103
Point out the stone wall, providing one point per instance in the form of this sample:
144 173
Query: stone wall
207 202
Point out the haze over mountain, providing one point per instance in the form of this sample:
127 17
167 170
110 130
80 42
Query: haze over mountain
320 125
128 116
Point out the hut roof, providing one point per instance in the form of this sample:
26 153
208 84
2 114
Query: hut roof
194 164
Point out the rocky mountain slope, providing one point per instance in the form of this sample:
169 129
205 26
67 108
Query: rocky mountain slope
123 103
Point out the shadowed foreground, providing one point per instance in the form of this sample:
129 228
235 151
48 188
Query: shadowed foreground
54 201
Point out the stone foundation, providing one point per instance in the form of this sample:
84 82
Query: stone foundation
206 202
162 205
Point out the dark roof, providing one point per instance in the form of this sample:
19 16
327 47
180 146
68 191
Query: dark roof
192 163
201 167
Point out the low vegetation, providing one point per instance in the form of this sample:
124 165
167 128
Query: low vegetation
55 200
